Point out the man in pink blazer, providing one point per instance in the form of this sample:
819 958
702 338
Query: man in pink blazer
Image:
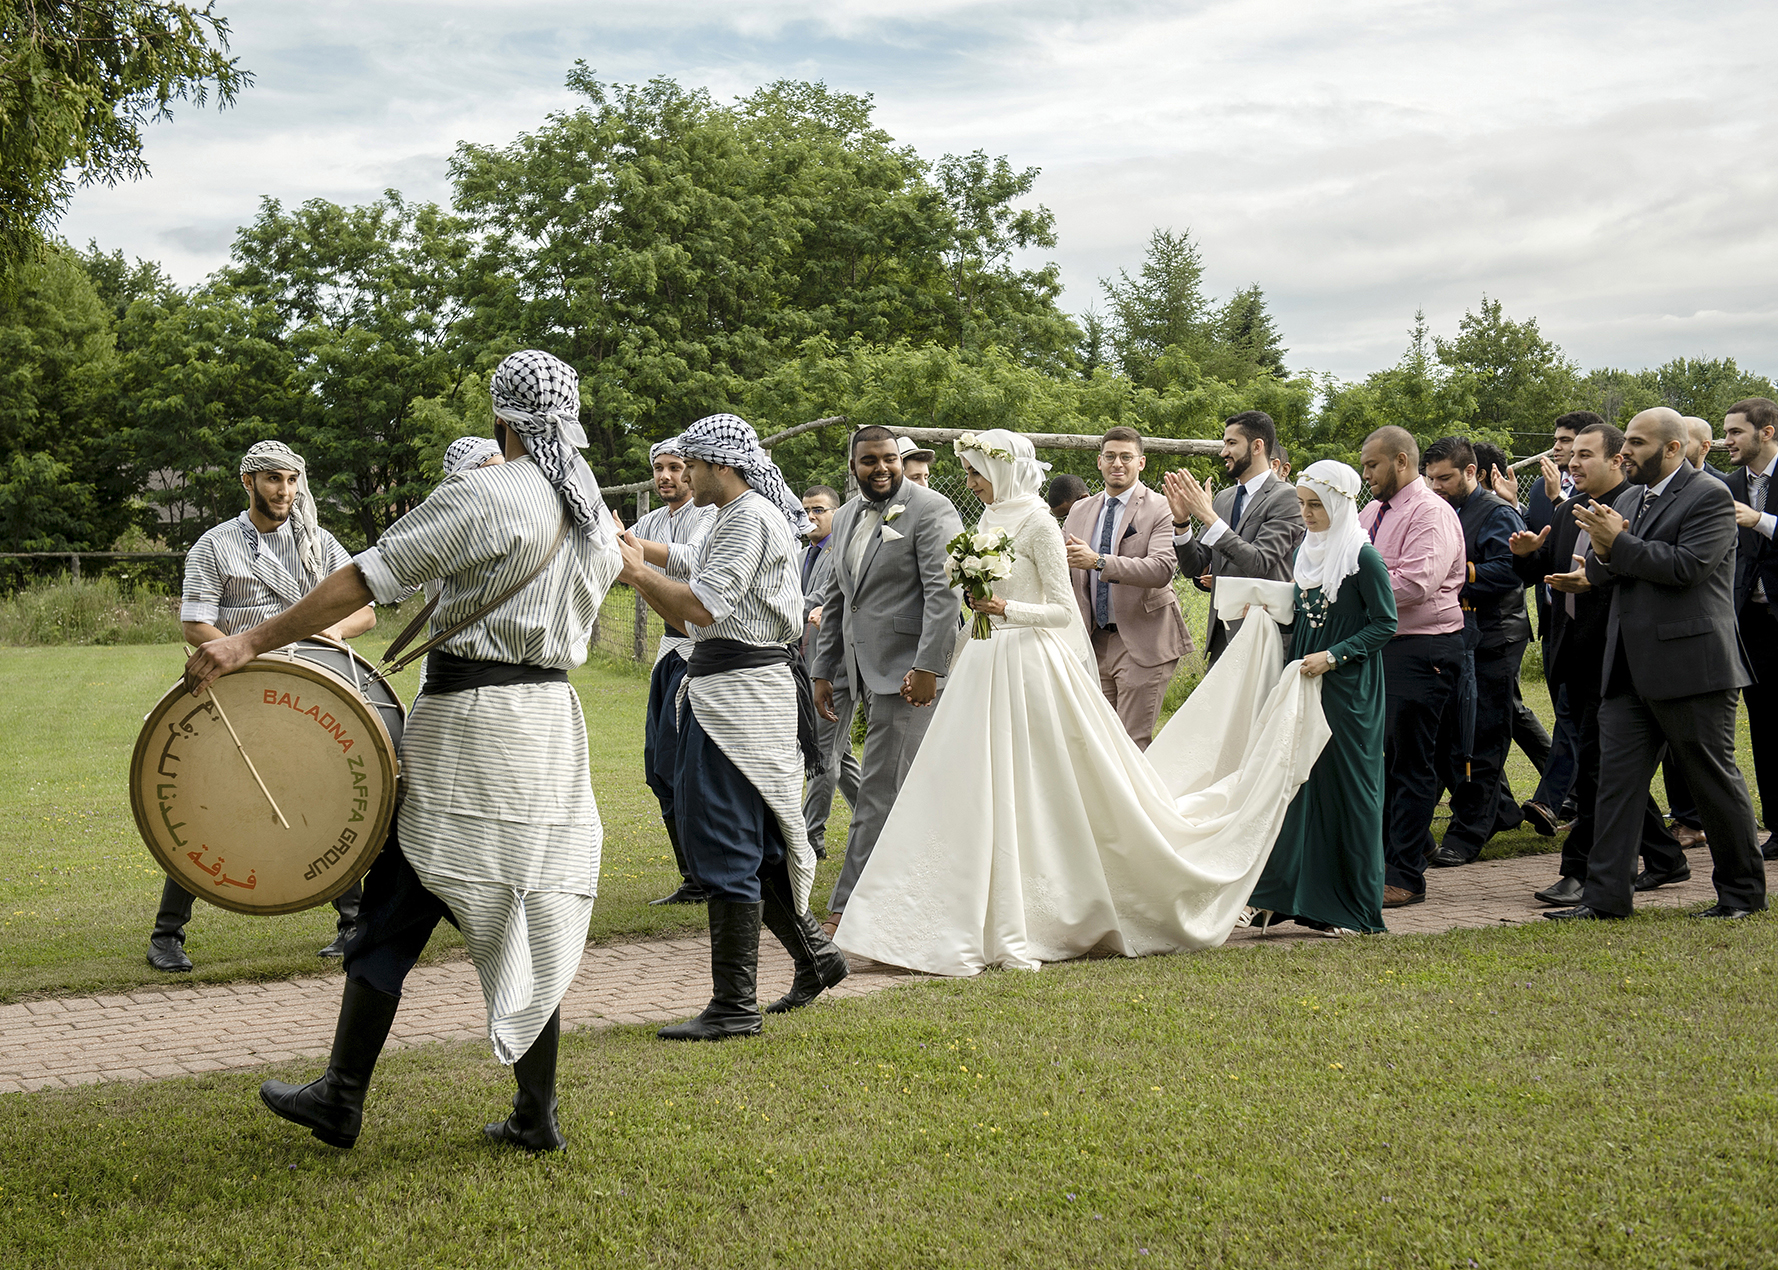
1120 553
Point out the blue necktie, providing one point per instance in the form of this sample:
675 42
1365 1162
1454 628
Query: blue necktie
1102 589
1240 502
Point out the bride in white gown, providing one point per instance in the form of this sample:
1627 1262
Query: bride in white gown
1030 827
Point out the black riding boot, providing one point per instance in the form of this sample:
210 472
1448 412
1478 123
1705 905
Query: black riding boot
332 1108
532 1126
819 964
734 969
689 892
347 905
166 946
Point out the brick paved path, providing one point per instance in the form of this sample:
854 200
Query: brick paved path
177 1031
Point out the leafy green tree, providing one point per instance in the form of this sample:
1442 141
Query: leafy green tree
1162 307
1703 387
1247 342
79 80
1519 380
366 302
61 487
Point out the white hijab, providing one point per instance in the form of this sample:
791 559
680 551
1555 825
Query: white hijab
1328 559
1016 481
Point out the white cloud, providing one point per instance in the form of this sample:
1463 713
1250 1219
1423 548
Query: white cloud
1601 167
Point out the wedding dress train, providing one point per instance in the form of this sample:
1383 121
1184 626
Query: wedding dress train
1030 827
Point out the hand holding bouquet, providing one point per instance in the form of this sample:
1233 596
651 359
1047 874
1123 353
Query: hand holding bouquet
974 560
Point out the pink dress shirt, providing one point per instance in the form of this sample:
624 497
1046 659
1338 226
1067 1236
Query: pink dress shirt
1421 542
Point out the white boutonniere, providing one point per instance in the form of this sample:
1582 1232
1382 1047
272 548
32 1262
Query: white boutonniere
895 511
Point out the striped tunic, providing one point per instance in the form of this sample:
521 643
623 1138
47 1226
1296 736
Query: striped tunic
747 577
237 577
683 533
498 818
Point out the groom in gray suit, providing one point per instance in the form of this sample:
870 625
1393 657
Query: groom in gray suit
889 624
1250 530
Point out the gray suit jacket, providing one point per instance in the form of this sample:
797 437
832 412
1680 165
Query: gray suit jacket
898 614
1672 584
1263 545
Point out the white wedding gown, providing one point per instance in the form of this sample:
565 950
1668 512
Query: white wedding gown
1030 827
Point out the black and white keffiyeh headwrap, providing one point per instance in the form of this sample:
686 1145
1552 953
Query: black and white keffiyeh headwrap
538 396
465 454
669 446
275 456
731 441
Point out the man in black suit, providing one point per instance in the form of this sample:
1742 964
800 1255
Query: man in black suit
1495 633
1673 668
1752 430
1574 652
1250 530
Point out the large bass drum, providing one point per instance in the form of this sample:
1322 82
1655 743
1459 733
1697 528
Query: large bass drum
280 799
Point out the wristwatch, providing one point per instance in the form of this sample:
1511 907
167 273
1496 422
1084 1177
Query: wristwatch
1182 526
1099 565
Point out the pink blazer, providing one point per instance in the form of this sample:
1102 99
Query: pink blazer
1140 569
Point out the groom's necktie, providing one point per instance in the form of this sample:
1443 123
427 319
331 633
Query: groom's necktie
861 532
1102 588
1240 502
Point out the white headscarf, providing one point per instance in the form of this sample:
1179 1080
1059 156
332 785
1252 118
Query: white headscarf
1016 477
465 454
1328 559
275 456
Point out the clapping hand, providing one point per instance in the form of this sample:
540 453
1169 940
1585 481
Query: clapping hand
1571 583
1188 499
1526 543
1603 525
1080 556
1552 479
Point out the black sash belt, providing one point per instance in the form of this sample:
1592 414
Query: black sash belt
447 672
673 632
718 656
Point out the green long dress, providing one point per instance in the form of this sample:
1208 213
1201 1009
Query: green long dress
1328 862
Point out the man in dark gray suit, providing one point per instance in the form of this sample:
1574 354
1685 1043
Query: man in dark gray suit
833 737
1250 530
1673 668
889 622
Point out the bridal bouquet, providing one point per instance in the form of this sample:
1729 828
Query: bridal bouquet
974 560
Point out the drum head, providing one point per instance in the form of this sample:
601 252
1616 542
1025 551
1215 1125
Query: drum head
325 759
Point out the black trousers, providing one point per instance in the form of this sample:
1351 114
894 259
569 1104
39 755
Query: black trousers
1660 853
397 919
1759 633
1699 734
660 737
176 902
1419 674
1475 786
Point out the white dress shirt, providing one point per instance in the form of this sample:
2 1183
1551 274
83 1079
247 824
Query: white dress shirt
1217 527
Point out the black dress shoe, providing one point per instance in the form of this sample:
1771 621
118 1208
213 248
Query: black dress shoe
1725 911
167 953
1565 893
1770 850
1648 881
1581 913
338 947
1449 858
1542 819
688 893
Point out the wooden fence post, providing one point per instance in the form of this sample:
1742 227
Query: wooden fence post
641 648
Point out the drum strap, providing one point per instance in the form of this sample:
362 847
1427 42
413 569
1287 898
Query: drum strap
392 666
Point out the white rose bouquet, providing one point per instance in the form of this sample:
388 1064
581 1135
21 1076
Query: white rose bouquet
975 560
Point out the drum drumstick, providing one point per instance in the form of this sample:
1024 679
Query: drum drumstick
217 702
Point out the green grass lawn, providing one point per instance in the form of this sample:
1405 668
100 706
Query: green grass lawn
1539 1096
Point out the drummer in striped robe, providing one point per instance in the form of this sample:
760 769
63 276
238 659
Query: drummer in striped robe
237 575
746 726
670 537
498 832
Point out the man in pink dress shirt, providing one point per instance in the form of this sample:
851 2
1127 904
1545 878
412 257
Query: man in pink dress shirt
1421 542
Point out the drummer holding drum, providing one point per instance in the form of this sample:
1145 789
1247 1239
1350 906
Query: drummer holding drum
237 575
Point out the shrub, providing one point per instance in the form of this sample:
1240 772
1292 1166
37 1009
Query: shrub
68 610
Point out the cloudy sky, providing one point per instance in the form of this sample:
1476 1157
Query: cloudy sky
1605 167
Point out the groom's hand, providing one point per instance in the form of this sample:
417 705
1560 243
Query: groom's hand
822 691
919 687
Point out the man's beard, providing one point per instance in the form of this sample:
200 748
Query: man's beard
1242 472
265 509
1636 474
870 495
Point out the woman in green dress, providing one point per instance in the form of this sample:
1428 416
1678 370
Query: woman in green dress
1326 869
